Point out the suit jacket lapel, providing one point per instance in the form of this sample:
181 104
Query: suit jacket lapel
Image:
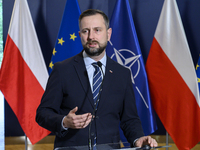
83 76
107 80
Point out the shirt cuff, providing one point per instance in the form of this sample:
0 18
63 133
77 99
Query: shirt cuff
134 142
64 128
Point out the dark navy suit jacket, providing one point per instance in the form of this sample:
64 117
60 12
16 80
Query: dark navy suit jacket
68 86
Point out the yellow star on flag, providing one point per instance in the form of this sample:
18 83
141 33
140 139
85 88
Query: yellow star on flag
51 65
73 36
61 41
198 79
197 66
54 51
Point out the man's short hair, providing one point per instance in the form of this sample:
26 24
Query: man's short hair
91 12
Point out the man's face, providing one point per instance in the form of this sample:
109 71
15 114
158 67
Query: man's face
94 35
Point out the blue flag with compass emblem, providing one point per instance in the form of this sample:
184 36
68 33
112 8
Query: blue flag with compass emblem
68 42
124 48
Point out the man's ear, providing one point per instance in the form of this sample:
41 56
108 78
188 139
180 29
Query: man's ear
109 32
79 33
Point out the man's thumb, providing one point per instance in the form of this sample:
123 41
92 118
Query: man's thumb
74 110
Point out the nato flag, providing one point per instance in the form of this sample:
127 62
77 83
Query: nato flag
124 48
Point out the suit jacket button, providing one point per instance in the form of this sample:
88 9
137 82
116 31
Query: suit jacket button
97 117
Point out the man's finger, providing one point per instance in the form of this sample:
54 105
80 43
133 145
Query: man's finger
74 110
83 117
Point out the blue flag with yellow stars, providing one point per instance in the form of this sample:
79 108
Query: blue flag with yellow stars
198 72
124 48
68 41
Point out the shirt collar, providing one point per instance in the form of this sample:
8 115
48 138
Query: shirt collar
89 61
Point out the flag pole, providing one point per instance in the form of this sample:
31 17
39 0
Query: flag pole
26 144
167 140
2 121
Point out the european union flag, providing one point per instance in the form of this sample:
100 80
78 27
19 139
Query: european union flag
124 48
198 72
68 42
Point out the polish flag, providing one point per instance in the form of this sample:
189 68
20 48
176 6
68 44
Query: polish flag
172 79
23 74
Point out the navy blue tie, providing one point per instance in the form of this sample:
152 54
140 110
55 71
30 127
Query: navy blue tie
97 81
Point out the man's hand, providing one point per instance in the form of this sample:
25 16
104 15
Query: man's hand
146 140
76 121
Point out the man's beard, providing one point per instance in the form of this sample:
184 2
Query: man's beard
95 51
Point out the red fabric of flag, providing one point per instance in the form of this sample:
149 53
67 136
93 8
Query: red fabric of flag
23 73
172 79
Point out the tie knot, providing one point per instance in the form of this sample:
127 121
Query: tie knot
95 65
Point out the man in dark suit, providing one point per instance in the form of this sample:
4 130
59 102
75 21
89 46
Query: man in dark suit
67 106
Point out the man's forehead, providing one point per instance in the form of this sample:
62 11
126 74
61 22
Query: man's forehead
94 20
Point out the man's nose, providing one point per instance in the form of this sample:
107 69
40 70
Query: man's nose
91 35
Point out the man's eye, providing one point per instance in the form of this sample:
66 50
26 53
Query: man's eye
84 31
98 30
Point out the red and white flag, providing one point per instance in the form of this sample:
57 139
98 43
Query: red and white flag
172 79
23 74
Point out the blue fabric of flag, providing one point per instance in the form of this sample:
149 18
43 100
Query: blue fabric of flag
198 72
68 42
124 48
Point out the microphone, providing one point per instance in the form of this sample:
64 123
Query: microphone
147 147
95 105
